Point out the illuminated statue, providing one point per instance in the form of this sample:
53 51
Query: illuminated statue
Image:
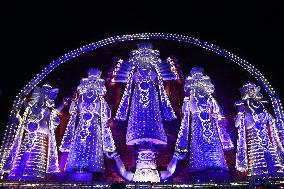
208 137
34 152
259 149
143 70
92 136
147 103
145 120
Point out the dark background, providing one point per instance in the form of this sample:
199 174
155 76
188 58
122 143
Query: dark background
37 34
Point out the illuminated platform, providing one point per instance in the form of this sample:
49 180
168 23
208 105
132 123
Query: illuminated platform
244 184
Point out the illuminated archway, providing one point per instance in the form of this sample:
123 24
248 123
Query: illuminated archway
11 129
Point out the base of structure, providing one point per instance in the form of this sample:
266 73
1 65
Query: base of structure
234 185
209 176
74 177
146 167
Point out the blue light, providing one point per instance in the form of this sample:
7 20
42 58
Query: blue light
34 151
202 120
259 150
14 131
145 119
92 136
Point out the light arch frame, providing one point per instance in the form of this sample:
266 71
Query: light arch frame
11 129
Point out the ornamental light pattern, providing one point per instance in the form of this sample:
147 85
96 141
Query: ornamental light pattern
144 74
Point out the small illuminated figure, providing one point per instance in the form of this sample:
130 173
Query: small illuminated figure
259 149
147 103
34 152
92 137
202 124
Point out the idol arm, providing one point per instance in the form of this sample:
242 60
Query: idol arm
120 166
181 146
166 106
172 166
15 147
107 138
275 137
241 154
70 129
52 161
19 120
219 121
123 107
184 131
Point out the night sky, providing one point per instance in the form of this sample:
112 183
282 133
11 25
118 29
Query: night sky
37 34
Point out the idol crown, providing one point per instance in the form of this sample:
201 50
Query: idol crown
94 72
145 45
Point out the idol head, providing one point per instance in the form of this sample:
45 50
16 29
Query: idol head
145 45
53 94
198 83
197 72
94 74
35 94
46 88
250 90
144 55
145 50
45 91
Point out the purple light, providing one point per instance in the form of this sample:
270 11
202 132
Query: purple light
12 129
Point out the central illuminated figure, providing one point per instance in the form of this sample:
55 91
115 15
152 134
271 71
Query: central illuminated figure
148 103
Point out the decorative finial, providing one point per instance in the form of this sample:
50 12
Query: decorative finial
47 86
93 72
197 72
145 45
